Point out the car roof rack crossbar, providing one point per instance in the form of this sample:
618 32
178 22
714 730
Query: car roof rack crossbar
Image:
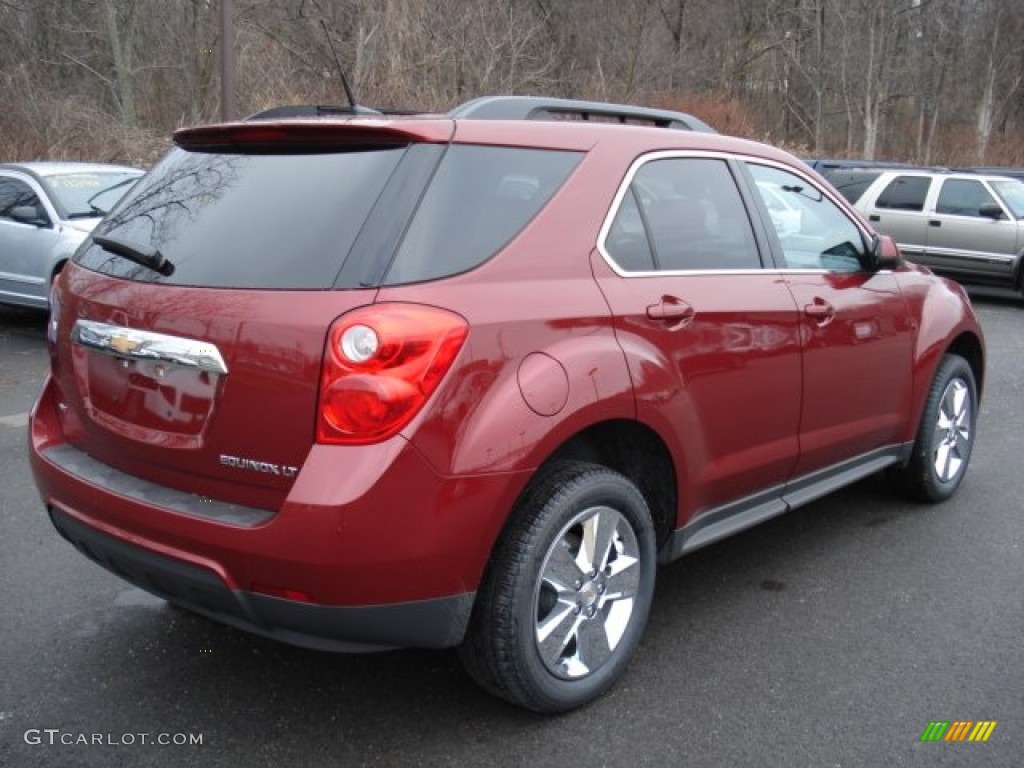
542 108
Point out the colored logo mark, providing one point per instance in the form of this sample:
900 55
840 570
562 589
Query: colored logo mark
958 730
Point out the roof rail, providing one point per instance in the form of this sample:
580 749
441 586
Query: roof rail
543 108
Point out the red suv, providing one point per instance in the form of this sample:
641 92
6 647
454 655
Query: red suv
358 382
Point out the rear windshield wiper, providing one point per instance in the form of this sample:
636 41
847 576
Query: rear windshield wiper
148 257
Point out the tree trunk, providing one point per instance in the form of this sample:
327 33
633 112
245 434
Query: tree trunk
121 37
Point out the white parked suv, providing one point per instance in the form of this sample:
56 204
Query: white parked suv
968 226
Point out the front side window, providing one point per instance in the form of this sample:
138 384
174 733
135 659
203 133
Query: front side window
682 213
15 193
813 232
962 197
905 193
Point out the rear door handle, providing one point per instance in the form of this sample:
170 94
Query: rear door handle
671 310
934 223
820 311
874 217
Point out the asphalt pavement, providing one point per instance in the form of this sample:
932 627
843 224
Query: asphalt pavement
831 637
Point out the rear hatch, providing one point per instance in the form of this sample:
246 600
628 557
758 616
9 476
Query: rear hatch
193 325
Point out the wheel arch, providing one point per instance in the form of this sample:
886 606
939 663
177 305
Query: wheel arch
968 346
635 451
58 267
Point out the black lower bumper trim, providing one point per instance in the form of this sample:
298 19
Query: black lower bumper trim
436 623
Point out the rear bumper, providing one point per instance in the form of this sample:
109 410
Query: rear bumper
371 548
436 623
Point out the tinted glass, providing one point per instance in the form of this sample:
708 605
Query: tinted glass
247 221
626 242
852 184
813 231
694 215
480 198
962 197
905 193
1012 193
89 194
13 193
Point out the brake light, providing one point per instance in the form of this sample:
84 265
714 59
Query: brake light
381 365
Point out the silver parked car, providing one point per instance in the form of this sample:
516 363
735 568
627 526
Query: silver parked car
46 211
968 226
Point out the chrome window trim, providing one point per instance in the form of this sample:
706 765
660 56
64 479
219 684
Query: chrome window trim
668 154
134 344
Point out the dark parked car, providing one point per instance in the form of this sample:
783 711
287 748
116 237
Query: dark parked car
46 211
465 380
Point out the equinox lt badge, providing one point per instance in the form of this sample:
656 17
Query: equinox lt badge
266 467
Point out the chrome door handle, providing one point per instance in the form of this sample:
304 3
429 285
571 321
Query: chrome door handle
821 311
672 310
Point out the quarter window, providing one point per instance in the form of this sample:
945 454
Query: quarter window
682 214
962 197
813 232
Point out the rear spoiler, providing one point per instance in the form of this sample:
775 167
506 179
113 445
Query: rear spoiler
311 136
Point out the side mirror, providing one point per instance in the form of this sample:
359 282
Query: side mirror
884 253
991 211
29 214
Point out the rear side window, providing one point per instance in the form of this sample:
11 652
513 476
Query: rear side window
682 213
284 221
851 184
905 193
480 198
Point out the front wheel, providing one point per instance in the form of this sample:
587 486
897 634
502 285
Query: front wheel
567 593
946 434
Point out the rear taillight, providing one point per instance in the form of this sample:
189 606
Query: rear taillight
381 365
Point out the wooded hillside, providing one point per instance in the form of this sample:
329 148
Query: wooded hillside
930 81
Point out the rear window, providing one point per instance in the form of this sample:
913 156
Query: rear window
323 220
284 221
480 198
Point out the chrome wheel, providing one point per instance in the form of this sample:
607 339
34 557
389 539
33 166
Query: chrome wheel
952 438
585 594
945 437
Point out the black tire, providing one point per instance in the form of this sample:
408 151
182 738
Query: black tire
527 582
945 437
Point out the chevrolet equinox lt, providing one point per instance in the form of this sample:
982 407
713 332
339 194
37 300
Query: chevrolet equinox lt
362 382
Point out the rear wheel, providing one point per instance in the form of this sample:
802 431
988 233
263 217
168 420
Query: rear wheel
567 594
945 437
